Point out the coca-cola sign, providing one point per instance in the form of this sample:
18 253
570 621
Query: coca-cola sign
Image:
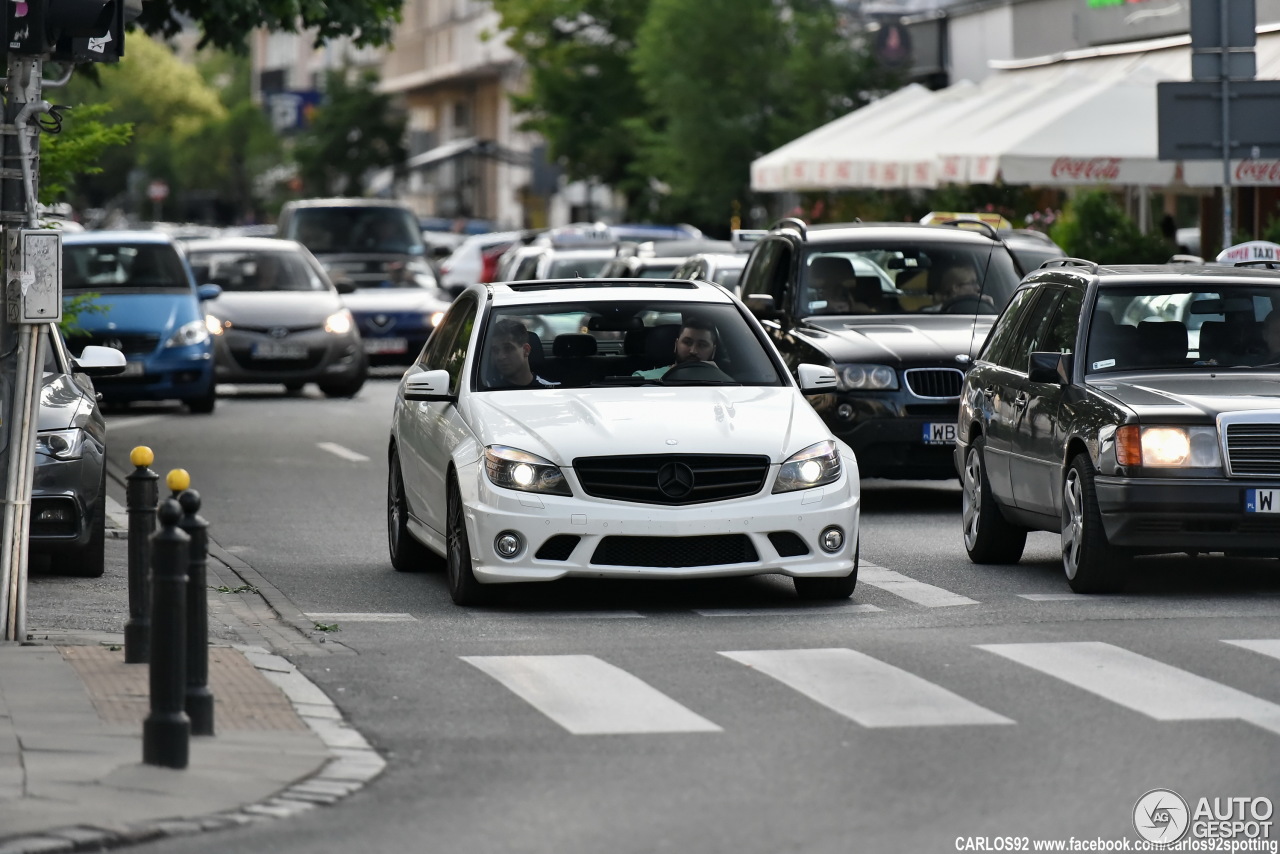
1258 172
1087 169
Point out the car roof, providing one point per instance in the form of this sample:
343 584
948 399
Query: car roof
609 290
264 244
123 236
831 233
345 202
1147 274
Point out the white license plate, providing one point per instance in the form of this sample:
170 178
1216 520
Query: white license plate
386 345
132 369
1262 501
940 434
279 350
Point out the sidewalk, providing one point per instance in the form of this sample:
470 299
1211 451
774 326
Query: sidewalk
71 713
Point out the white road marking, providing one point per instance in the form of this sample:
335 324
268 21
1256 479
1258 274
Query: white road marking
565 615
910 589
1265 647
866 690
126 422
1153 688
588 696
339 451
357 617
1073 597
802 611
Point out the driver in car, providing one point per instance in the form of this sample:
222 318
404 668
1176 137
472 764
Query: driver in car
695 343
957 283
509 357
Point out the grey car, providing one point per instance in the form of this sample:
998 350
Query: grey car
68 499
279 319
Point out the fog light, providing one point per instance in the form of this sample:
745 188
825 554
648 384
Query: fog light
831 539
54 514
507 544
845 411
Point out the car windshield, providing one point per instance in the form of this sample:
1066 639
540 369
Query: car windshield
123 266
610 343
907 279
253 270
1185 327
356 230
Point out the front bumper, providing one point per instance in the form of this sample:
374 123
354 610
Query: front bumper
63 496
887 430
177 373
328 357
594 538
1186 514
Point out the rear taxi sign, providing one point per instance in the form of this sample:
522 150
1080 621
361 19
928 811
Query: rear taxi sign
1253 250
992 219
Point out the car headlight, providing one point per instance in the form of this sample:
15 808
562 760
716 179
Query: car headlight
1168 447
433 319
213 324
514 469
338 323
816 465
866 378
195 332
60 444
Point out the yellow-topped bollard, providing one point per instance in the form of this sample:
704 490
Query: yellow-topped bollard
178 480
142 456
140 500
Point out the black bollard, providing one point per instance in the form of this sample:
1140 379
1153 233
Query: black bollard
141 497
199 702
166 731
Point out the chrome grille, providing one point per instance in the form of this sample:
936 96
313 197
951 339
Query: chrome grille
646 479
1253 446
934 382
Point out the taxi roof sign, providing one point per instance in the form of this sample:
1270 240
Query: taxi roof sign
1250 250
991 218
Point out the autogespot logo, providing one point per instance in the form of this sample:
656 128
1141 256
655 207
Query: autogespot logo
1161 815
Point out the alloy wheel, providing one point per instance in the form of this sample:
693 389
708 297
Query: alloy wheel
1072 523
971 498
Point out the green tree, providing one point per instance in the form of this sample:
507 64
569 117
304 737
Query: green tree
582 96
355 130
1095 227
227 24
76 149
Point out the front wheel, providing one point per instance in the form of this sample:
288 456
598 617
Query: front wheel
205 403
829 588
463 586
407 554
988 536
1091 563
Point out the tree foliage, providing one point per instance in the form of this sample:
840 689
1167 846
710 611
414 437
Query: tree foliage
78 149
355 130
1095 227
226 24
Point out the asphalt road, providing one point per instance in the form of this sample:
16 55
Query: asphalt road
943 701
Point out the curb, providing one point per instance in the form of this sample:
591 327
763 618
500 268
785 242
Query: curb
352 763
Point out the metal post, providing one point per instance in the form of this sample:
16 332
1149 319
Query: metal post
199 702
141 495
1225 71
166 732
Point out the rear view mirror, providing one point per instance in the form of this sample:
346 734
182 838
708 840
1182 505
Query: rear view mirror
208 292
427 385
1049 368
344 285
98 361
761 305
816 379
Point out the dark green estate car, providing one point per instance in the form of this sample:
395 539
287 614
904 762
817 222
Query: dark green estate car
1134 409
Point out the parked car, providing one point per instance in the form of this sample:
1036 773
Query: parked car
658 259
466 265
278 319
723 269
377 245
1032 248
148 306
716 468
1085 415
69 484
876 303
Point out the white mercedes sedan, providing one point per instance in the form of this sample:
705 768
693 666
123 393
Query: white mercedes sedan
615 429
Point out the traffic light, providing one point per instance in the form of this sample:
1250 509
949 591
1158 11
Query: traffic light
69 30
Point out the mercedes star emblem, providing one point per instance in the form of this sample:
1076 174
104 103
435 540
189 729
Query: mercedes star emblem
675 480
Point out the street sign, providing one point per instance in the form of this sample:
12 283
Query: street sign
1206 24
157 191
1189 120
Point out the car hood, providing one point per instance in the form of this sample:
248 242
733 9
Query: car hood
914 338
1196 397
144 313
564 424
275 308
394 299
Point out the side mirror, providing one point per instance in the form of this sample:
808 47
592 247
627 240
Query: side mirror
1049 368
761 305
816 379
427 385
344 285
99 362
208 292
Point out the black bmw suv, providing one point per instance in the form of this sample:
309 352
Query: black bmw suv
897 310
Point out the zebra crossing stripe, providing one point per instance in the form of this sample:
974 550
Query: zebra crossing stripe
1265 647
797 611
910 589
588 696
1153 688
866 690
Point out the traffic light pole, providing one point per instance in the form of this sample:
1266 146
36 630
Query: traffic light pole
20 343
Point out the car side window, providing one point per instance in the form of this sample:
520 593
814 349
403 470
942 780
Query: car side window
1030 331
1003 331
456 357
436 353
1060 337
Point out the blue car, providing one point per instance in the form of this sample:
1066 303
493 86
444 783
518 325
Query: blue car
148 306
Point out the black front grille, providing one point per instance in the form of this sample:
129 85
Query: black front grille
130 345
788 544
1254 449
934 382
672 478
712 550
558 547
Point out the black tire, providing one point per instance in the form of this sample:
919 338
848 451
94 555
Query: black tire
829 588
407 553
204 405
463 586
293 387
988 536
90 560
1092 565
344 388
